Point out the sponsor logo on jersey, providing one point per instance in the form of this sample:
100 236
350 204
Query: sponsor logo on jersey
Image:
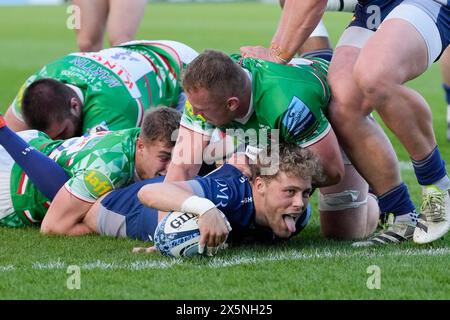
222 195
96 183
298 120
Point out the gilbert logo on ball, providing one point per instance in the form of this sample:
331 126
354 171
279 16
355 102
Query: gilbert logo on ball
177 235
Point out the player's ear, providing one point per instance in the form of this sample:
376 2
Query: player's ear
260 185
233 103
75 106
140 144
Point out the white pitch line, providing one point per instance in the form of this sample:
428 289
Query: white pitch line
9 267
218 262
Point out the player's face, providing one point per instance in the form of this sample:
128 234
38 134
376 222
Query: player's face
68 128
152 158
285 198
204 105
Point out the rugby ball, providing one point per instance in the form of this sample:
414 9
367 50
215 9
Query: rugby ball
177 235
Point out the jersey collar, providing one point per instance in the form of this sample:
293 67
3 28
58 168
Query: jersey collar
77 91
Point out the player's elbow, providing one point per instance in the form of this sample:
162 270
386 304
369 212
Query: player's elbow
49 229
145 195
334 173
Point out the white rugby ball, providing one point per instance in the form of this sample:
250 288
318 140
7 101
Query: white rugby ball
177 235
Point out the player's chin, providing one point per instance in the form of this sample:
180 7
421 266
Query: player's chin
282 232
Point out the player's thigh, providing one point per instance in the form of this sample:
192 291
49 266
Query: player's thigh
124 18
93 15
408 41
347 102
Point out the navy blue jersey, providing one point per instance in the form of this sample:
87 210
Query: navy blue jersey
226 187
141 221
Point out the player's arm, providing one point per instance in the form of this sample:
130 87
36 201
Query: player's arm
65 215
329 153
298 20
13 122
187 155
179 196
317 135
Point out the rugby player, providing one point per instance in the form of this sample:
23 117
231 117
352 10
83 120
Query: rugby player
105 90
387 43
238 95
94 165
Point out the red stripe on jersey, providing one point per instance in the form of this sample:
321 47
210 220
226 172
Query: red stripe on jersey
148 89
141 112
166 61
180 63
69 162
22 183
153 66
27 215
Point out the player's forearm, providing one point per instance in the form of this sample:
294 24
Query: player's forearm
181 172
163 196
13 122
298 20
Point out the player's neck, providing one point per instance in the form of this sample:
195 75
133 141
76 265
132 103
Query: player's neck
260 211
245 99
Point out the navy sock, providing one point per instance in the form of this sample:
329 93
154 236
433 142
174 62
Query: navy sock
396 201
325 54
45 173
430 169
447 92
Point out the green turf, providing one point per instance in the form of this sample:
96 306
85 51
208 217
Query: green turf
35 267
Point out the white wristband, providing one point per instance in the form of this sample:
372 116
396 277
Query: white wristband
197 205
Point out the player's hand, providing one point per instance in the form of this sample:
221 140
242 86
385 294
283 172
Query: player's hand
240 162
257 52
151 249
214 229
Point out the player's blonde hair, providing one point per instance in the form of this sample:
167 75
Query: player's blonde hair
291 159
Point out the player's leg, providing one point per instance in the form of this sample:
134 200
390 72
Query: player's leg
414 42
445 68
318 44
36 165
93 15
347 212
123 20
358 132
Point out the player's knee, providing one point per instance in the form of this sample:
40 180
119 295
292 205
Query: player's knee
345 216
46 228
89 45
374 87
373 214
50 228
117 39
334 173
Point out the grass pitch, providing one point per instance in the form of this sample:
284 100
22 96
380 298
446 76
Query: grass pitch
33 266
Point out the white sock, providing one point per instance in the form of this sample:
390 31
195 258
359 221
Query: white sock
443 184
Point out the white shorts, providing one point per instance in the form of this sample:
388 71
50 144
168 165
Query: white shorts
422 14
